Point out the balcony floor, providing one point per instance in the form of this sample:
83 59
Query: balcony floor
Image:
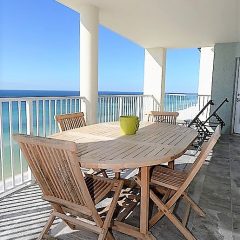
216 188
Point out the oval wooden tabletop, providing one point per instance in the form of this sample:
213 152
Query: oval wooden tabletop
102 145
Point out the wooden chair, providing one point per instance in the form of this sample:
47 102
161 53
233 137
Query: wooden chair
176 183
165 117
55 166
70 121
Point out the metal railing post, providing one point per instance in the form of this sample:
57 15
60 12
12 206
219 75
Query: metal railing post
29 111
2 149
29 117
84 106
120 107
138 107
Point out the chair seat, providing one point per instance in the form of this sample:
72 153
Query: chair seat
98 187
166 177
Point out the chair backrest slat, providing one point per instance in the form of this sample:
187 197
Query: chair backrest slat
70 121
56 168
166 117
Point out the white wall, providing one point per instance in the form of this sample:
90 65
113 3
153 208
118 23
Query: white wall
205 71
154 73
223 84
238 20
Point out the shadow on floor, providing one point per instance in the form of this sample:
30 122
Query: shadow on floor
216 188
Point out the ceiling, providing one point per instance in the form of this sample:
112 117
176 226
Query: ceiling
169 23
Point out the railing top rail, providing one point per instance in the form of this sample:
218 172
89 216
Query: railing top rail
4 99
125 95
22 99
181 93
144 95
188 94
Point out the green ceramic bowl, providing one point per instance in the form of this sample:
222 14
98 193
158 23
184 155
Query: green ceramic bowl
129 124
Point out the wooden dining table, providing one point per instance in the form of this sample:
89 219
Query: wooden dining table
102 146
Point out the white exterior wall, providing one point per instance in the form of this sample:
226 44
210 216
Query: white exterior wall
154 73
224 72
206 71
238 20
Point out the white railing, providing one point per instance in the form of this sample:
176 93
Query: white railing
110 107
36 116
176 101
32 116
187 104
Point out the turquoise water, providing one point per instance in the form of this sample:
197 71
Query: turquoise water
17 122
48 108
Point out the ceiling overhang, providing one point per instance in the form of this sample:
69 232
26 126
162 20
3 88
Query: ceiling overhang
170 24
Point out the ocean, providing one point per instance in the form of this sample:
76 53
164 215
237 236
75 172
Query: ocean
14 118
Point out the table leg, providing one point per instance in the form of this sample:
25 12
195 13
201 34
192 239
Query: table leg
117 175
142 232
144 208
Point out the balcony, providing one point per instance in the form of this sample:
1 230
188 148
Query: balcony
155 26
216 189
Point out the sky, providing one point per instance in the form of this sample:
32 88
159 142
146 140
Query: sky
39 50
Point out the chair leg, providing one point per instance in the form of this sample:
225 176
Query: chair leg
113 204
194 206
166 195
187 234
171 164
105 234
156 217
59 209
117 175
110 236
186 214
104 174
47 226
99 171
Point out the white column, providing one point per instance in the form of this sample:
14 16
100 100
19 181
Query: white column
154 73
205 71
89 60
